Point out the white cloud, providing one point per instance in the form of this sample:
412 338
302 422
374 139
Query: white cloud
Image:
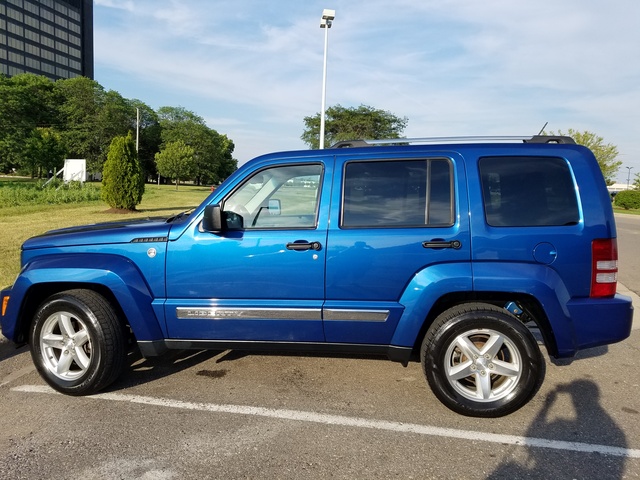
451 66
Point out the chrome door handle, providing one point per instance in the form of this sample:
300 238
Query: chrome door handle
455 244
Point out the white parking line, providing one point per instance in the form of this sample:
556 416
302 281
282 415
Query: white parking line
344 421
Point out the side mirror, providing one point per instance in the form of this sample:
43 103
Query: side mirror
212 219
274 207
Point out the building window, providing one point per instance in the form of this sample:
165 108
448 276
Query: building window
15 43
62 9
62 47
16 15
47 55
32 49
31 7
17 3
31 35
33 63
46 28
62 34
13 71
48 68
15 29
48 42
47 14
16 58
63 22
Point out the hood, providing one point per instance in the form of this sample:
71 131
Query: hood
130 231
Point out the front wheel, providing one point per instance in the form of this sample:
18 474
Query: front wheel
77 342
481 361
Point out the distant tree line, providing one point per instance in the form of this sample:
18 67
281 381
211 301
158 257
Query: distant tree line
42 122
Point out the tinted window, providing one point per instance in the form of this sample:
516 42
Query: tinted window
409 193
528 191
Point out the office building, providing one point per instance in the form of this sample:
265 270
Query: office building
53 38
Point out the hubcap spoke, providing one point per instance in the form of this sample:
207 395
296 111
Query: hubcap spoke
461 371
82 358
81 338
64 363
66 327
483 386
53 341
467 347
493 345
505 368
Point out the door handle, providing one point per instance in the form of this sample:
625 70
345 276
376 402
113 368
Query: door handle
455 244
301 246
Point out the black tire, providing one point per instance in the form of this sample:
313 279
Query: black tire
507 370
77 342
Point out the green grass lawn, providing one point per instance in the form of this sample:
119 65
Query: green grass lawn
19 223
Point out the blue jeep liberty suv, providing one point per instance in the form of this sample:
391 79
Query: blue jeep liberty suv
449 252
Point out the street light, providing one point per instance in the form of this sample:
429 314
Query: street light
628 176
325 22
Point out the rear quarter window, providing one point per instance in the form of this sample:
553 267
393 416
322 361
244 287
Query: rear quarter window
528 192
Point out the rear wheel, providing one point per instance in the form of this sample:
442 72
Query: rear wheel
77 342
481 361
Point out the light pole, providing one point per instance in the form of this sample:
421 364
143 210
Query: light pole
325 22
628 176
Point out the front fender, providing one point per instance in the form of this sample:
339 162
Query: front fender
118 274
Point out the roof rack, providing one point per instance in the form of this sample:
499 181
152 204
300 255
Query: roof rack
472 139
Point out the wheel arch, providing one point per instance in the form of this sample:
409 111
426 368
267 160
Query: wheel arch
121 284
533 314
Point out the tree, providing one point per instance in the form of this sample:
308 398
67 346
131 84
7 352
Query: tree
606 154
45 151
27 102
122 177
90 118
211 151
176 161
342 123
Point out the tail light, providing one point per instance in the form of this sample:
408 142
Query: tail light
604 267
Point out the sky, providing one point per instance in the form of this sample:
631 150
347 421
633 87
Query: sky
253 69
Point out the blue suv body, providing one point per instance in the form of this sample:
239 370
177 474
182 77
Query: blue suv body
447 253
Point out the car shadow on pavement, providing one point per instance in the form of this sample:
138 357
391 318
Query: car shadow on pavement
9 349
141 370
590 424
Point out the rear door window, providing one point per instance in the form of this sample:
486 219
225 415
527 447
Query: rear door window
397 193
528 191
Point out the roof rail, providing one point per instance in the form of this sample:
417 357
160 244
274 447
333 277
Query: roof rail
472 139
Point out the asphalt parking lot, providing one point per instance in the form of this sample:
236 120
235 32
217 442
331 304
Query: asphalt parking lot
226 414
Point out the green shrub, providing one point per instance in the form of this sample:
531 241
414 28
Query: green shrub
122 176
19 194
628 199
